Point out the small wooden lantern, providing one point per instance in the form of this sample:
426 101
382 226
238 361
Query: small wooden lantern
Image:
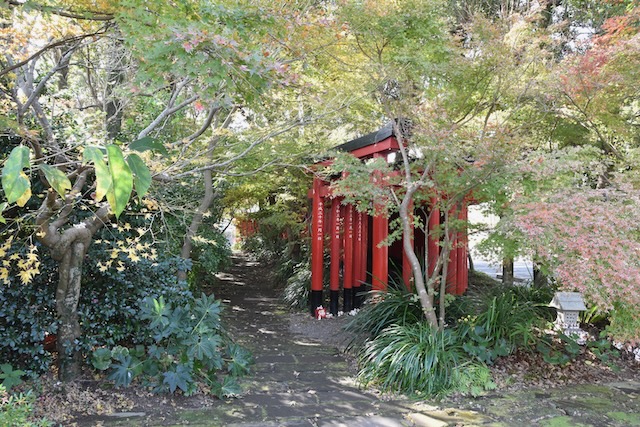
569 306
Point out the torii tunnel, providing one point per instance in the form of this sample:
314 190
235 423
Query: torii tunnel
357 261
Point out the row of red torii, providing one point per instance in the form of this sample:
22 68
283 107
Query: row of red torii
357 261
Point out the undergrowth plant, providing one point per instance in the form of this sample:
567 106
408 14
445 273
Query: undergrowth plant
505 323
399 352
16 410
187 349
416 359
107 309
397 306
296 293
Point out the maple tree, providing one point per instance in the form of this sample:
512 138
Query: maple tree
449 108
577 196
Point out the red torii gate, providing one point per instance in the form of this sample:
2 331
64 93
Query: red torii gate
354 239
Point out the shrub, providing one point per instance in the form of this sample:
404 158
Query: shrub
383 309
27 313
211 253
296 293
416 359
624 324
108 306
186 347
110 300
16 410
507 321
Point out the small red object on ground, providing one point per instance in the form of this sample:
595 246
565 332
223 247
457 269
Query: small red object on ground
320 313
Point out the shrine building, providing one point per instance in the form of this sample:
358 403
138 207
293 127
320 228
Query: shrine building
357 263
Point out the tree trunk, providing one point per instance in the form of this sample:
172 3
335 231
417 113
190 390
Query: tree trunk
425 296
67 297
539 279
187 244
507 271
113 104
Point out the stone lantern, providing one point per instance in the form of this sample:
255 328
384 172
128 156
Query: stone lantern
569 306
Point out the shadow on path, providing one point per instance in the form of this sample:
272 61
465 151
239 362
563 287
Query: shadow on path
296 381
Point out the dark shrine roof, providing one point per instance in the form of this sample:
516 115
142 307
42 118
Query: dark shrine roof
366 140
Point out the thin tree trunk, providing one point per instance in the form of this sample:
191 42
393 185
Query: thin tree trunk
67 297
539 279
445 252
187 244
426 297
507 271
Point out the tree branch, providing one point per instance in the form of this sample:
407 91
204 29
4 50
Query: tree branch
166 113
73 14
62 42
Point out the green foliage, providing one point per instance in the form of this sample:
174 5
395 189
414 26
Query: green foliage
624 322
107 308
505 319
484 347
395 307
10 377
115 179
121 180
417 359
15 182
563 349
16 410
296 293
560 351
148 144
211 253
188 348
604 351
57 179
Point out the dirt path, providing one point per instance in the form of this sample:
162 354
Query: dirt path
297 380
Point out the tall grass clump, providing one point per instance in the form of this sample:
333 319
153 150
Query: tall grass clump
417 359
395 307
296 293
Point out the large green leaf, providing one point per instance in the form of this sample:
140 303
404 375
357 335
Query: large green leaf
123 372
122 180
103 176
10 377
147 143
228 388
141 175
56 178
92 154
3 206
15 183
103 179
207 347
180 378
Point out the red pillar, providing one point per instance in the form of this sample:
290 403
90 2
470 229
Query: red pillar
334 282
433 249
452 268
407 274
317 245
463 266
357 251
380 268
357 247
347 274
364 251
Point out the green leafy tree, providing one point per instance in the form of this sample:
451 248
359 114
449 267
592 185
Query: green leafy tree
114 84
460 96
